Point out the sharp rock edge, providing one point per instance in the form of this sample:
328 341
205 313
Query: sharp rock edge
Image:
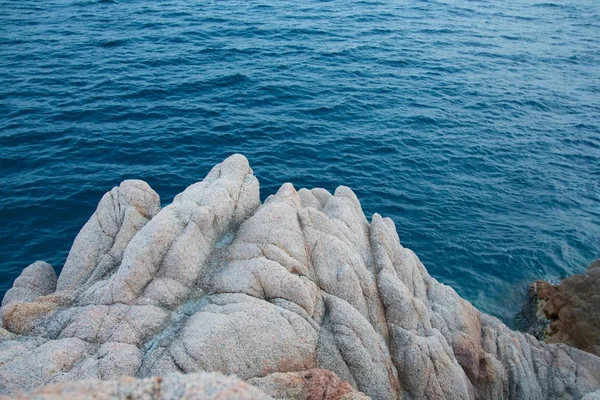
217 281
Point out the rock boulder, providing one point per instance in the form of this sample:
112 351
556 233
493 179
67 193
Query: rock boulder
570 311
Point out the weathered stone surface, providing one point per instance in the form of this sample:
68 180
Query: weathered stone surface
592 396
198 386
314 384
570 311
99 247
217 281
37 280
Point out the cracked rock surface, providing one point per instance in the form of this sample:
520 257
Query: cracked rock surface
217 281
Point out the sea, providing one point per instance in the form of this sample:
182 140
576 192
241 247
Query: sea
473 124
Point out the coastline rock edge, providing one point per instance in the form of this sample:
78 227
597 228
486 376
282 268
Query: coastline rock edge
218 281
569 312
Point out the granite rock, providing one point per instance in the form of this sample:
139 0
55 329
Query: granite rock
37 280
197 386
569 312
217 281
314 384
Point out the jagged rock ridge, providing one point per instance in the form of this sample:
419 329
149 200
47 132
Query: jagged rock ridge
217 281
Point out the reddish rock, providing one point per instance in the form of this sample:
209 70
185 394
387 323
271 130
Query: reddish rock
314 384
572 309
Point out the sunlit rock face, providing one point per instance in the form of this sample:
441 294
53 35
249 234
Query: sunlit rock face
217 281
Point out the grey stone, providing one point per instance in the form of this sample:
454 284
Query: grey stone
217 281
39 279
99 247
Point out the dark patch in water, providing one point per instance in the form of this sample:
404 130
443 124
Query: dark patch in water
113 43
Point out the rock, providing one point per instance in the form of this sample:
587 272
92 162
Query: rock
100 245
37 280
569 312
592 396
272 293
198 386
314 384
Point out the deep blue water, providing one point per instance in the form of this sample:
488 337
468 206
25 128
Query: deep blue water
474 124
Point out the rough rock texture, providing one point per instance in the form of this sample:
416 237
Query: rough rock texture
217 281
592 396
39 279
312 384
570 311
197 386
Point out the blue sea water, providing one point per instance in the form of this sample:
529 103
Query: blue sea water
474 124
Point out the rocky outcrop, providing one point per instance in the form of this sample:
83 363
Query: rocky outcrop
313 384
570 311
197 386
217 281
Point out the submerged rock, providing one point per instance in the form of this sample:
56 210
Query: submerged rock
570 311
217 281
